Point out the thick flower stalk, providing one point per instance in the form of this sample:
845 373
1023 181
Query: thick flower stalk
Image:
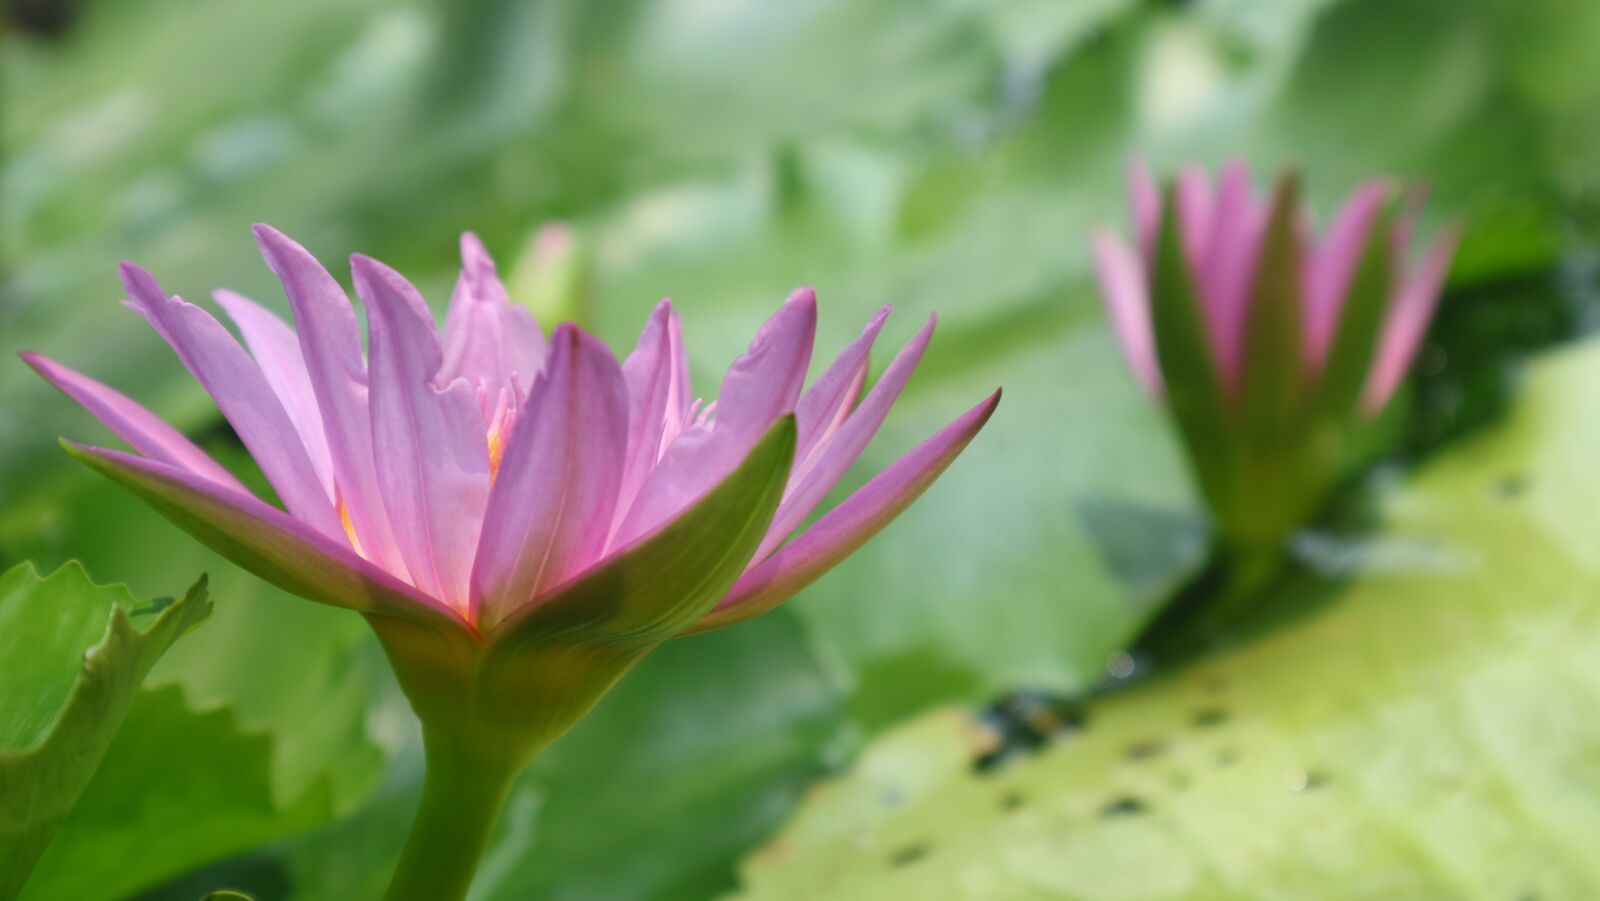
520 518
1273 347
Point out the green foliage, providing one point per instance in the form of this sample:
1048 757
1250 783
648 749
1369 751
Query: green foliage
264 727
1422 728
72 655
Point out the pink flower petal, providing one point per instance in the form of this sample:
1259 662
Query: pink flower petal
1238 228
656 587
1145 198
760 386
848 526
1196 211
1330 267
814 478
551 505
488 341
143 430
1127 299
765 382
232 379
828 402
264 540
657 407
434 463
1409 314
330 344
276 350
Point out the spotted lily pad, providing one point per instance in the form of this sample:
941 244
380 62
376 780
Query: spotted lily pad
1425 727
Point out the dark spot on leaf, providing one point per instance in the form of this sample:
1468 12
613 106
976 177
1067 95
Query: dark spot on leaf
908 855
1025 722
1511 486
1310 780
1146 749
1209 717
1012 800
1125 806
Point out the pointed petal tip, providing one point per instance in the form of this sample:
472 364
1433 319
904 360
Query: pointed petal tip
282 253
572 338
372 273
875 322
477 264
143 289
132 274
566 334
273 243
804 294
976 418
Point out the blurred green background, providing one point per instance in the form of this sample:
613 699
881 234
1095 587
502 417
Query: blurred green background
940 155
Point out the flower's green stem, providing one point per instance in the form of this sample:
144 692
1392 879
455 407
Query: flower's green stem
462 794
1248 570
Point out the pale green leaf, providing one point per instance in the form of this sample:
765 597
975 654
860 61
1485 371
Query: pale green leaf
1427 729
72 655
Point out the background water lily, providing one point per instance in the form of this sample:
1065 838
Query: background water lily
520 519
1274 347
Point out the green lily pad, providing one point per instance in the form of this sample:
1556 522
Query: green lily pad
1425 729
72 655
280 721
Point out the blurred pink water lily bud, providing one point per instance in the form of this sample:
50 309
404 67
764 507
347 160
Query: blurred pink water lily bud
520 517
551 277
1273 347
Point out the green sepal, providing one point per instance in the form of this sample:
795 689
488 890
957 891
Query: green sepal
1272 382
1194 392
1355 338
72 656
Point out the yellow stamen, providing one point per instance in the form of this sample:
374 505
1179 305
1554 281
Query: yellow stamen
497 449
349 529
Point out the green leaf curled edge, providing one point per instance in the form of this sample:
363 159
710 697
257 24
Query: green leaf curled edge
72 657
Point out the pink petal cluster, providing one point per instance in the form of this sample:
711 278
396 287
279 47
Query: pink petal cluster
1221 225
474 472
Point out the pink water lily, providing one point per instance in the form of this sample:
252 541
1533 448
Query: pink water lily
470 475
1273 347
520 518
1222 225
